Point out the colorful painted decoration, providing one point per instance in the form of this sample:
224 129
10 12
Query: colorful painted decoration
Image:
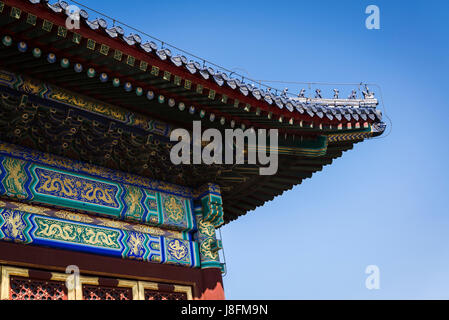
65 63
53 185
37 53
91 72
348 136
78 68
55 94
36 229
213 209
22 46
128 86
120 209
206 238
116 82
51 58
7 41
86 218
103 77
150 95
173 208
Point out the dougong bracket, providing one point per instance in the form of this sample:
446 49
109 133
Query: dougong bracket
212 204
209 216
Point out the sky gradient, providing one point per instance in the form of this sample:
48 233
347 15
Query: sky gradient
382 203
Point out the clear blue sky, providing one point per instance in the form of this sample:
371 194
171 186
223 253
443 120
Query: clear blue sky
386 201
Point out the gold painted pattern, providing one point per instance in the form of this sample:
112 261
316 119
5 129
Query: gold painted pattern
59 230
75 188
206 228
206 251
84 218
13 221
174 208
177 249
32 87
132 199
15 178
80 102
74 166
135 244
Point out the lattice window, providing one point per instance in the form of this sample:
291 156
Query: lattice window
31 289
91 292
163 295
26 284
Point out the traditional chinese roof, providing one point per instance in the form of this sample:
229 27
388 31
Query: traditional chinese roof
102 96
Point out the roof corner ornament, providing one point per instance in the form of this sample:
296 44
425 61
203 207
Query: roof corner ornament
318 94
353 94
336 92
367 94
301 93
284 93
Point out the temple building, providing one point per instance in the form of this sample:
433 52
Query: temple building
86 180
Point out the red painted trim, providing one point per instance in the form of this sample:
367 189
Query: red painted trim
136 83
59 19
206 283
99 69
